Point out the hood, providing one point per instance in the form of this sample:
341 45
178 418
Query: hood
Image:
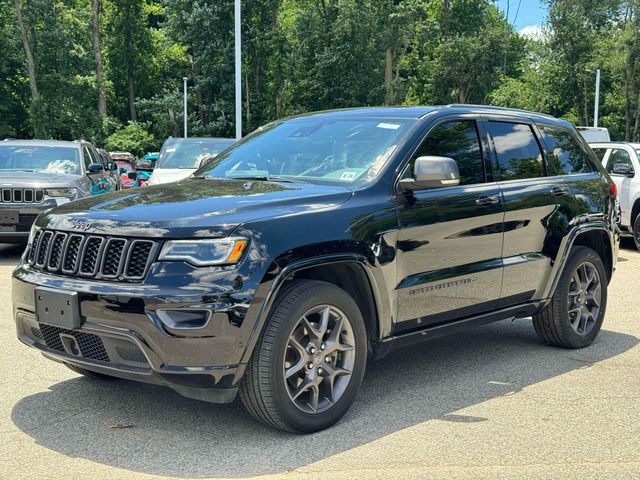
168 175
15 179
191 207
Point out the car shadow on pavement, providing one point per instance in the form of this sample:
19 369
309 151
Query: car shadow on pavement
145 428
10 253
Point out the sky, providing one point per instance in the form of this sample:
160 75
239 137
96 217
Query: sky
531 14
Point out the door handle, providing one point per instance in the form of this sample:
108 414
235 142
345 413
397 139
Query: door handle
559 191
490 200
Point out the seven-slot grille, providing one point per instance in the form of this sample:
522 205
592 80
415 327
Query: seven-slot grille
92 256
22 195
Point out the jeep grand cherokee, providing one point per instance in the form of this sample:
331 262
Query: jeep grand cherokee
319 242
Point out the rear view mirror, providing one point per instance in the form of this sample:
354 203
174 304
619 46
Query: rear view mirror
623 169
432 172
95 168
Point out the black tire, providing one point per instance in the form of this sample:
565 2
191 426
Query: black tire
264 390
553 324
90 374
636 231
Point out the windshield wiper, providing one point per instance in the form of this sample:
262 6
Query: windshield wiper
268 178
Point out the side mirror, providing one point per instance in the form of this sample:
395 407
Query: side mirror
432 172
112 167
95 168
205 161
623 169
132 175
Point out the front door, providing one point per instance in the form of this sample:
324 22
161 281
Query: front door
450 239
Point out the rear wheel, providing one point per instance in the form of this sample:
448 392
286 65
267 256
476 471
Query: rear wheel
309 362
90 374
575 314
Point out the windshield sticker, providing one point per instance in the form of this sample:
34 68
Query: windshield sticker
348 176
389 126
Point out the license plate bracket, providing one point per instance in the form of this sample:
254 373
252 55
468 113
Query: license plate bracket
9 217
57 308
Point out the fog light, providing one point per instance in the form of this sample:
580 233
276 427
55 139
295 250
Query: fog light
184 319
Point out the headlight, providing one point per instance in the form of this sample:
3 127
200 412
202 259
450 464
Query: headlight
60 192
220 251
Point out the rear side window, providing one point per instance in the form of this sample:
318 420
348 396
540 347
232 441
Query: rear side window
564 154
517 151
458 140
600 153
618 156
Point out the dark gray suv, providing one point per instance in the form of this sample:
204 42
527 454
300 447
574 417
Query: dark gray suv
36 175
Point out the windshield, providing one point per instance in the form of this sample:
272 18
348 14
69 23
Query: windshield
187 154
327 149
40 159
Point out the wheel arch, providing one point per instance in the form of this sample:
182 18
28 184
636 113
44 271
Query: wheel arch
596 235
349 271
635 210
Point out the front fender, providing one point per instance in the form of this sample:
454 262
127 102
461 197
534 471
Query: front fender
269 289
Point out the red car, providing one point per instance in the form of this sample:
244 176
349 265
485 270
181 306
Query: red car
124 168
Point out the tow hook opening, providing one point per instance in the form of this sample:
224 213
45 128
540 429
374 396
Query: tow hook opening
70 345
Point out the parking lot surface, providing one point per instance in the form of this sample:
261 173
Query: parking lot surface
489 403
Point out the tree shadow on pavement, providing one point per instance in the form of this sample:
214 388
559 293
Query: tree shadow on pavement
175 436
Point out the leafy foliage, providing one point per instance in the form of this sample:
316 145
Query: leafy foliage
304 55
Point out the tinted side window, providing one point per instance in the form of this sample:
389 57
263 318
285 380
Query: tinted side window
86 158
517 150
600 153
458 140
618 156
564 154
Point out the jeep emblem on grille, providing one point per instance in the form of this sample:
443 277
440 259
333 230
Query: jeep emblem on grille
81 225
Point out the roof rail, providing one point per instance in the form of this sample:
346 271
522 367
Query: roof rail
493 107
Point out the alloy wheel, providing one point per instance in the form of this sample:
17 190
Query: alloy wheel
319 359
585 296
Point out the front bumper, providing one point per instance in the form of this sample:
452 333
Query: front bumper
122 332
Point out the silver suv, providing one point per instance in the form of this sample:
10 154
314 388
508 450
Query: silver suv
36 175
622 162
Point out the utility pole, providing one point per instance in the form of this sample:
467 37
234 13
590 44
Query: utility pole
184 79
238 69
597 103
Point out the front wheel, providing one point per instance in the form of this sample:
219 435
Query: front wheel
636 231
575 314
308 365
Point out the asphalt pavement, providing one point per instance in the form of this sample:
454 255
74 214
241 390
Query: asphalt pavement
490 403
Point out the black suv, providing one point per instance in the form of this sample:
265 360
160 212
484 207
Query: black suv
318 243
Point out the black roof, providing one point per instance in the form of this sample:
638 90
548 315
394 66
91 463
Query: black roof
416 112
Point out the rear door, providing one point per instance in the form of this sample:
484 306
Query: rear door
625 156
450 239
538 208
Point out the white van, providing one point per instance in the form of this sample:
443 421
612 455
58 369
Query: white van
594 134
180 157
